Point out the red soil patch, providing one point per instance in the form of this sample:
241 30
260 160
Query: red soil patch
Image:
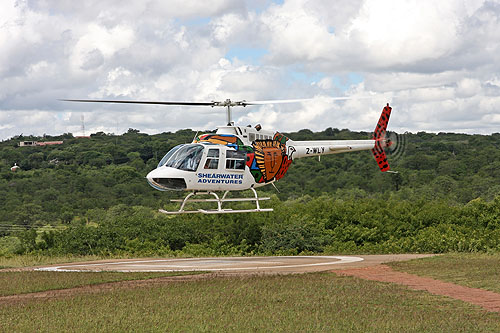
383 273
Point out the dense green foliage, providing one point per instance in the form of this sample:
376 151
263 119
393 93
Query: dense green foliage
446 197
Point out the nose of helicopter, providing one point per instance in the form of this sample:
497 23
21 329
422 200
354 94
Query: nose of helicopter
164 179
152 174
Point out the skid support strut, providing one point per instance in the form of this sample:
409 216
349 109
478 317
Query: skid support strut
219 201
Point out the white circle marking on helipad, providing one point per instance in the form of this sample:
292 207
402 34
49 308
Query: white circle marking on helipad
186 264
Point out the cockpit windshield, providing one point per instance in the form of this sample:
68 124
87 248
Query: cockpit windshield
184 157
168 155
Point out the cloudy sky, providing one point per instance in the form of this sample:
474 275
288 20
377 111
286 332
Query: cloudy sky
436 62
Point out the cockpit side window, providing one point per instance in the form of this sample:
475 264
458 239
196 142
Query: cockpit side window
187 157
212 161
235 159
168 155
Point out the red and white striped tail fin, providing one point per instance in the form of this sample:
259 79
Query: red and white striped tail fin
380 142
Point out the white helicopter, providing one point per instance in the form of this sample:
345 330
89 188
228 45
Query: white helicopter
239 158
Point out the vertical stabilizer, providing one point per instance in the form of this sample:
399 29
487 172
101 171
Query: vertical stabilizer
380 142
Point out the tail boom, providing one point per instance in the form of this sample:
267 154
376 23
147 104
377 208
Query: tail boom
299 149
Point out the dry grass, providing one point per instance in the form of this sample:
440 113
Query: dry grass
477 270
29 260
293 303
14 283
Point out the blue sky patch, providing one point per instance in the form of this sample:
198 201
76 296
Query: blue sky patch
247 54
344 82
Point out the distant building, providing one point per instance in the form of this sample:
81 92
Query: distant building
15 167
27 143
36 143
49 143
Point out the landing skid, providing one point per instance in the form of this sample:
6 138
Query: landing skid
219 201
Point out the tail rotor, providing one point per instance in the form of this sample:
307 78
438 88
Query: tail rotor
397 145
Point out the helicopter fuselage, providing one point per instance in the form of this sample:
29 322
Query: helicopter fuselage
242 158
238 158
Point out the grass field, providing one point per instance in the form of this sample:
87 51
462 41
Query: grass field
29 260
472 270
307 302
14 283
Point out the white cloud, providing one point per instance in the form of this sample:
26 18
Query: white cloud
437 63
467 87
99 43
404 32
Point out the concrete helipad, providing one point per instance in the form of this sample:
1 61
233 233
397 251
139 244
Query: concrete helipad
290 264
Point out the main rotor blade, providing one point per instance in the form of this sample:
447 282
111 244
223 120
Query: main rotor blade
138 102
277 101
282 101
226 103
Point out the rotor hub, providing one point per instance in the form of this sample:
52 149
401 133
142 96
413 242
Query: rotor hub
229 103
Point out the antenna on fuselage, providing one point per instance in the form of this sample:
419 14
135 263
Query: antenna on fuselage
195 136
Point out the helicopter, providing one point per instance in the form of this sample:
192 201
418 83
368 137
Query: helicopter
237 158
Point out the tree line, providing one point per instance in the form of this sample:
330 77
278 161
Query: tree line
92 192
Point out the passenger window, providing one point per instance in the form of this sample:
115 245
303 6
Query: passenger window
251 137
212 159
235 160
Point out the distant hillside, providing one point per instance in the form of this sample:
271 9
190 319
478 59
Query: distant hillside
61 181
84 179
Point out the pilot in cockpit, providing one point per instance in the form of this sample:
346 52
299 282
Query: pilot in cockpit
191 161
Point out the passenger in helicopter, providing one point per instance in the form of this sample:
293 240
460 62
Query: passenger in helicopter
192 161
210 164
212 161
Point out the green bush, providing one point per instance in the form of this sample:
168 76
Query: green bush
10 245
